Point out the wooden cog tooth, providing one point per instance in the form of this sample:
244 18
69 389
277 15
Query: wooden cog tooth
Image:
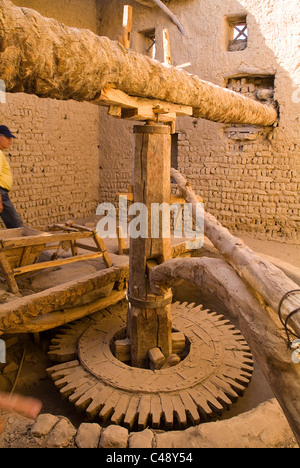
120 409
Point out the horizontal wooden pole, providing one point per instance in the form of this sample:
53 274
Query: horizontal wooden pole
48 238
54 263
44 57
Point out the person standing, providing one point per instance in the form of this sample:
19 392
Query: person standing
8 212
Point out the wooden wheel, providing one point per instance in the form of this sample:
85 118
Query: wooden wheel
215 372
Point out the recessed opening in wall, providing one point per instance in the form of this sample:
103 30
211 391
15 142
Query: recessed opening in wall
148 42
237 33
174 151
258 87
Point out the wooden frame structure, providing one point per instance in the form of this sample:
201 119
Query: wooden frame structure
20 249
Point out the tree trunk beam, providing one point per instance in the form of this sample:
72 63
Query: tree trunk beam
44 57
262 331
263 277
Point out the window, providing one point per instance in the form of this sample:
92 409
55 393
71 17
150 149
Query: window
238 33
149 45
258 87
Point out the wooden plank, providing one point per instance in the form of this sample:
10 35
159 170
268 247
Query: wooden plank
60 297
53 263
101 245
108 408
79 245
114 97
26 256
167 409
48 238
179 410
12 284
146 112
87 398
74 248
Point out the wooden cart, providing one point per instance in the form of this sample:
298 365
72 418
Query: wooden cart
20 249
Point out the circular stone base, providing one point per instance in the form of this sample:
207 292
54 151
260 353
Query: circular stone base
212 376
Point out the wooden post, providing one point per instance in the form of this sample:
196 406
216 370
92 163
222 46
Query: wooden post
166 47
7 271
127 25
149 316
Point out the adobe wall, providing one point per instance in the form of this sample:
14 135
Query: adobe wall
249 179
55 157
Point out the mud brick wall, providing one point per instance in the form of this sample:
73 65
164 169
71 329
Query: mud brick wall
55 157
249 178
70 156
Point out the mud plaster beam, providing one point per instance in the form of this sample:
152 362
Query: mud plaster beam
44 57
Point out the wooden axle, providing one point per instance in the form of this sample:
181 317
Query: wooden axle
149 316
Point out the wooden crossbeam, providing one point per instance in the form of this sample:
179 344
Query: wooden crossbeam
121 105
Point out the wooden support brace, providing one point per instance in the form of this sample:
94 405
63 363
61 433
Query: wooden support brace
121 105
7 271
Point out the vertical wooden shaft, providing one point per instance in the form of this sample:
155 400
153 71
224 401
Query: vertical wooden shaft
149 322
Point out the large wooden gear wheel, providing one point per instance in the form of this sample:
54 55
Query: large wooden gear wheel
215 372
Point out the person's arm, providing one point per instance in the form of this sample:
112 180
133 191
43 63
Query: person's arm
25 406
